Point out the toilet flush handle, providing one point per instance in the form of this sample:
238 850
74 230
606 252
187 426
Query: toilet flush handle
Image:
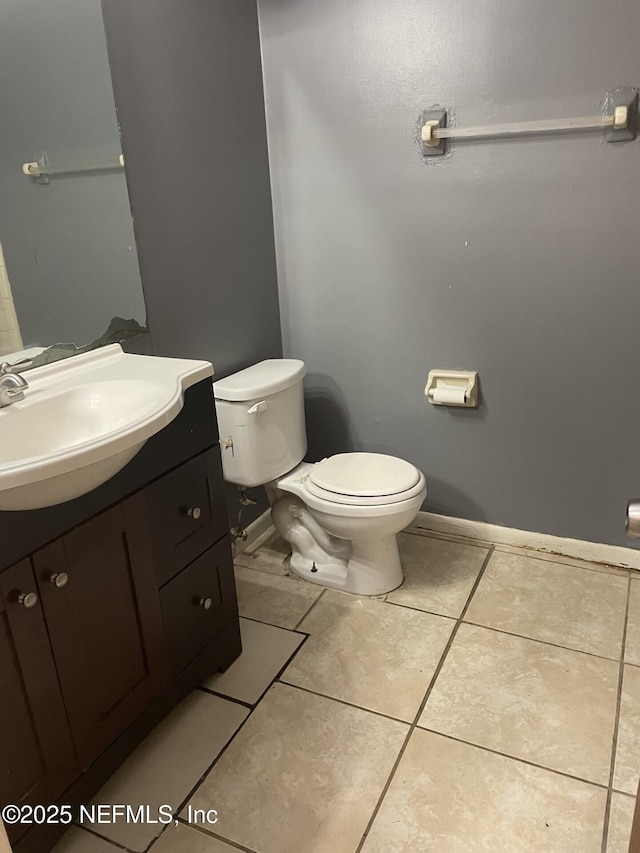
262 406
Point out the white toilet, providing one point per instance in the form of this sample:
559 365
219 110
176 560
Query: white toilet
340 515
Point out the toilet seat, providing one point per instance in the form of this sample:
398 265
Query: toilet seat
364 479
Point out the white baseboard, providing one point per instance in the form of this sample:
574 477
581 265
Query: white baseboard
595 552
257 533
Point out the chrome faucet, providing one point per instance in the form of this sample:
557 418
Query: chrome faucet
12 386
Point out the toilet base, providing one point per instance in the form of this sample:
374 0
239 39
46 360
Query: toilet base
373 569
362 567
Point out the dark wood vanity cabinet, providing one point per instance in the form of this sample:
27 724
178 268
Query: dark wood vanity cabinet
108 625
96 585
37 758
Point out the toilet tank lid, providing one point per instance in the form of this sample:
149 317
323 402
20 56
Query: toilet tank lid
260 380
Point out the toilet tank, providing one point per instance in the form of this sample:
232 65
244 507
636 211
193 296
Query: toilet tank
261 421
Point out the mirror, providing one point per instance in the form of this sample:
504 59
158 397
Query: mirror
69 263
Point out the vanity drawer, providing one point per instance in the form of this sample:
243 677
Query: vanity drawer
197 603
187 512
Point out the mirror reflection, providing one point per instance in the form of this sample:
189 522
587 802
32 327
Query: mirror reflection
68 262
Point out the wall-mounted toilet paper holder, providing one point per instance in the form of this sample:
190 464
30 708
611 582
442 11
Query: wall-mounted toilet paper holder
452 388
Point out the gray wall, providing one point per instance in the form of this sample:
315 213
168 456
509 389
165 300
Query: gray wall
188 86
518 259
69 246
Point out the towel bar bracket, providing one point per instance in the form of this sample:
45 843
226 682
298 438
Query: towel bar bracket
433 117
623 98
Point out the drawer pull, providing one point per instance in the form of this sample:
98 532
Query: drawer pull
59 579
194 512
206 603
28 599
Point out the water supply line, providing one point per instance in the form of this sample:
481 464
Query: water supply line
240 532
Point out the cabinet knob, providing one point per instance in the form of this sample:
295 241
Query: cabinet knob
28 599
59 579
206 603
194 512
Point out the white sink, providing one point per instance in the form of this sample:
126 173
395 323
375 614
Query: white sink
83 419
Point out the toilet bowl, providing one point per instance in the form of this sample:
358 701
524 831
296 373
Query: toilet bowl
341 516
345 541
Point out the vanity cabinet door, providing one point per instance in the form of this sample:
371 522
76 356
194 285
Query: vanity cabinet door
37 760
102 609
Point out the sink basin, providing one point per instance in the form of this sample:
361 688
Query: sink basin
83 419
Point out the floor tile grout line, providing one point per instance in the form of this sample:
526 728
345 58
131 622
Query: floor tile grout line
310 608
286 664
251 705
210 834
420 609
210 767
542 642
425 699
616 726
502 631
251 710
285 683
272 625
480 746
547 769
297 629
115 844
218 695
476 583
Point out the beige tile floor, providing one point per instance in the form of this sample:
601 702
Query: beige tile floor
492 703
